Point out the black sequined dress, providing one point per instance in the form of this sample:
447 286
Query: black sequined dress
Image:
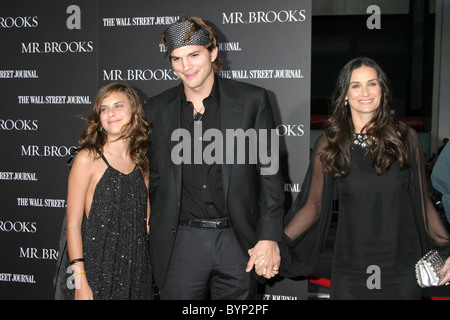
116 252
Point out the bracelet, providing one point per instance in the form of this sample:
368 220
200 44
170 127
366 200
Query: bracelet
81 272
76 260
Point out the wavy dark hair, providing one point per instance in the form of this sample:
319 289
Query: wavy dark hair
386 134
137 130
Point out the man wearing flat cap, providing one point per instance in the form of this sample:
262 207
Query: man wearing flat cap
207 215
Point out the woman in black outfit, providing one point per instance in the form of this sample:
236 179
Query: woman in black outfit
386 220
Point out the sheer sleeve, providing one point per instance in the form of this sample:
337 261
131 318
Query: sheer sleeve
432 231
306 213
307 221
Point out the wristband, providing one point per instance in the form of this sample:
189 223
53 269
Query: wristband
76 260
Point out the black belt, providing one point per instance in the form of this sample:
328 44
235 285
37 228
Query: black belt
212 223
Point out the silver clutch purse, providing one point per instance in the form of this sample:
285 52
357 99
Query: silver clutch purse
427 268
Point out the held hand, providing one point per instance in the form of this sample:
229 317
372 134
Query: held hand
445 273
265 257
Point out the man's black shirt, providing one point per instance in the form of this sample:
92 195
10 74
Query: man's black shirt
202 194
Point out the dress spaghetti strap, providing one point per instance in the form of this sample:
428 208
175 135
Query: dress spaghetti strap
104 159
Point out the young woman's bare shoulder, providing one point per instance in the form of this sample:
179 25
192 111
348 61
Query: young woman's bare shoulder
84 160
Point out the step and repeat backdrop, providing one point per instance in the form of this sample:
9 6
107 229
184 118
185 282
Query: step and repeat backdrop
55 56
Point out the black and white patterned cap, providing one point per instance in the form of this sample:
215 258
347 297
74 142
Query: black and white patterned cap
176 33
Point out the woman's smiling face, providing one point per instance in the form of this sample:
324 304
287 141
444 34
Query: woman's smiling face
364 91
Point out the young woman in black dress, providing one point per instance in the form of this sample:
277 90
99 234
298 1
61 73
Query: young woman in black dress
107 202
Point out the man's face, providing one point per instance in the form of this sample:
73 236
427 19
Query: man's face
193 64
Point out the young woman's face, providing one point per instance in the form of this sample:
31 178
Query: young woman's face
115 112
364 92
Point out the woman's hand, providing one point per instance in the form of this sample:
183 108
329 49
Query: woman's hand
82 289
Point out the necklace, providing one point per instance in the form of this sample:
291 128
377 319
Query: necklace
197 115
360 139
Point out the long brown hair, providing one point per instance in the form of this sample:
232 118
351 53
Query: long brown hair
386 134
137 130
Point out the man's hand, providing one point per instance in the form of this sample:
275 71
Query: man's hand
265 257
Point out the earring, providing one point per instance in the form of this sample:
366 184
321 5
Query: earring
346 102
